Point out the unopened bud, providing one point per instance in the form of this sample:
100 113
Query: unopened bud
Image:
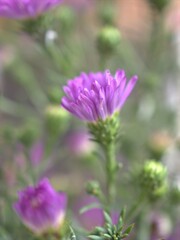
93 188
108 40
153 179
56 119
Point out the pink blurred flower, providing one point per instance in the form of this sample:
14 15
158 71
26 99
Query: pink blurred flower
23 9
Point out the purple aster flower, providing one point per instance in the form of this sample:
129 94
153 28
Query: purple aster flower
96 96
41 208
22 9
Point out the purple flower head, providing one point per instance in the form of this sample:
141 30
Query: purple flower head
96 96
22 9
41 208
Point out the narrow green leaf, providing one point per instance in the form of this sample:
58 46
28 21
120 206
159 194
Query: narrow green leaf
89 207
107 218
123 213
94 237
100 229
128 229
107 235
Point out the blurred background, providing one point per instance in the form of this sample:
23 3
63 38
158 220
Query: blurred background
38 138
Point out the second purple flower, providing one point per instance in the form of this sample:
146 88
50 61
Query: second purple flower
95 96
41 208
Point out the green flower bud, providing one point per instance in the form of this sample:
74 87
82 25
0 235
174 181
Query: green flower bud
108 40
153 179
159 4
93 188
105 132
56 119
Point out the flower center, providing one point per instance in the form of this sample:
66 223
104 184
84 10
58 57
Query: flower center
36 202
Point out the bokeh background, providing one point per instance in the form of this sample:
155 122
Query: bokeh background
38 138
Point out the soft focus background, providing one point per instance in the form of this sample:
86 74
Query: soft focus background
38 138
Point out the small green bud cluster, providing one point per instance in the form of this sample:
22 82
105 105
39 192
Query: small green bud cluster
56 119
93 188
153 180
105 131
108 40
111 231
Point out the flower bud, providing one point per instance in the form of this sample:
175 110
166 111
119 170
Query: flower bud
153 179
56 119
93 188
108 40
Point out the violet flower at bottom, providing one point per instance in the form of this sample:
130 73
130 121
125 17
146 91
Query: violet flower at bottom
41 208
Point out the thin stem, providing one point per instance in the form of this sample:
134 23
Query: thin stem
135 207
111 167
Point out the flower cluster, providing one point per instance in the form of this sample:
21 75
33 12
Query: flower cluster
24 9
96 96
41 208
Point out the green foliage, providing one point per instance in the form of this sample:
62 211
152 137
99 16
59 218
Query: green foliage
105 132
111 231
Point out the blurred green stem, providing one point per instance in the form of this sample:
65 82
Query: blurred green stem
111 167
135 207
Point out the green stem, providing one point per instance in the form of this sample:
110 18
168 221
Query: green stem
111 167
135 207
